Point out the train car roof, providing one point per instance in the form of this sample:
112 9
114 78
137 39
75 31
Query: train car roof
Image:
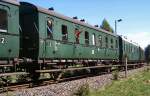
129 41
53 13
15 2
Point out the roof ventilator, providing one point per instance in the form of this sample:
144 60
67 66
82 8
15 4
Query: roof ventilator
52 9
82 20
75 17
96 26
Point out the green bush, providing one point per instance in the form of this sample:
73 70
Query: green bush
83 90
115 75
22 78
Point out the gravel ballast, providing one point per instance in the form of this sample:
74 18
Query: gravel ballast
68 88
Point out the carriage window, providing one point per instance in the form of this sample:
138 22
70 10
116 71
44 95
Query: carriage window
93 39
49 29
64 33
100 40
112 41
132 49
3 21
124 46
129 49
106 40
116 44
77 35
86 38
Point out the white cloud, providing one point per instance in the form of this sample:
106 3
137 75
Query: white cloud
142 38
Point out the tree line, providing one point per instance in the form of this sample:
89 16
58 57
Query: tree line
106 26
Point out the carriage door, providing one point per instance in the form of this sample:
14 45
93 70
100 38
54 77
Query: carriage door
48 38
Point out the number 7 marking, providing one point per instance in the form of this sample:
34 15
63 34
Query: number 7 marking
2 40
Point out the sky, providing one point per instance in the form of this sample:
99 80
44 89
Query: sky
135 14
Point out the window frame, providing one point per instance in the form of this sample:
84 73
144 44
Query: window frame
64 32
86 39
100 40
93 39
112 43
49 36
77 39
106 41
116 44
7 19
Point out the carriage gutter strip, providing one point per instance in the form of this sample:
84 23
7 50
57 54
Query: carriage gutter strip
14 2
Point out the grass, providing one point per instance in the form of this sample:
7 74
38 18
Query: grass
83 90
137 85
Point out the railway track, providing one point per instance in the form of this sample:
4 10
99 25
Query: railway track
43 82
16 86
25 85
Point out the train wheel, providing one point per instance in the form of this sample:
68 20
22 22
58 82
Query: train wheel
56 76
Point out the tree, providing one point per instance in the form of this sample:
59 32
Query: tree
147 54
105 25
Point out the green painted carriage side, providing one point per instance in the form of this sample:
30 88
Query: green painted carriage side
55 48
142 56
136 53
101 52
10 48
131 50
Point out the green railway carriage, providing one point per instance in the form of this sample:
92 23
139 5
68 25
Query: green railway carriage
130 50
9 30
54 37
36 40
47 35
